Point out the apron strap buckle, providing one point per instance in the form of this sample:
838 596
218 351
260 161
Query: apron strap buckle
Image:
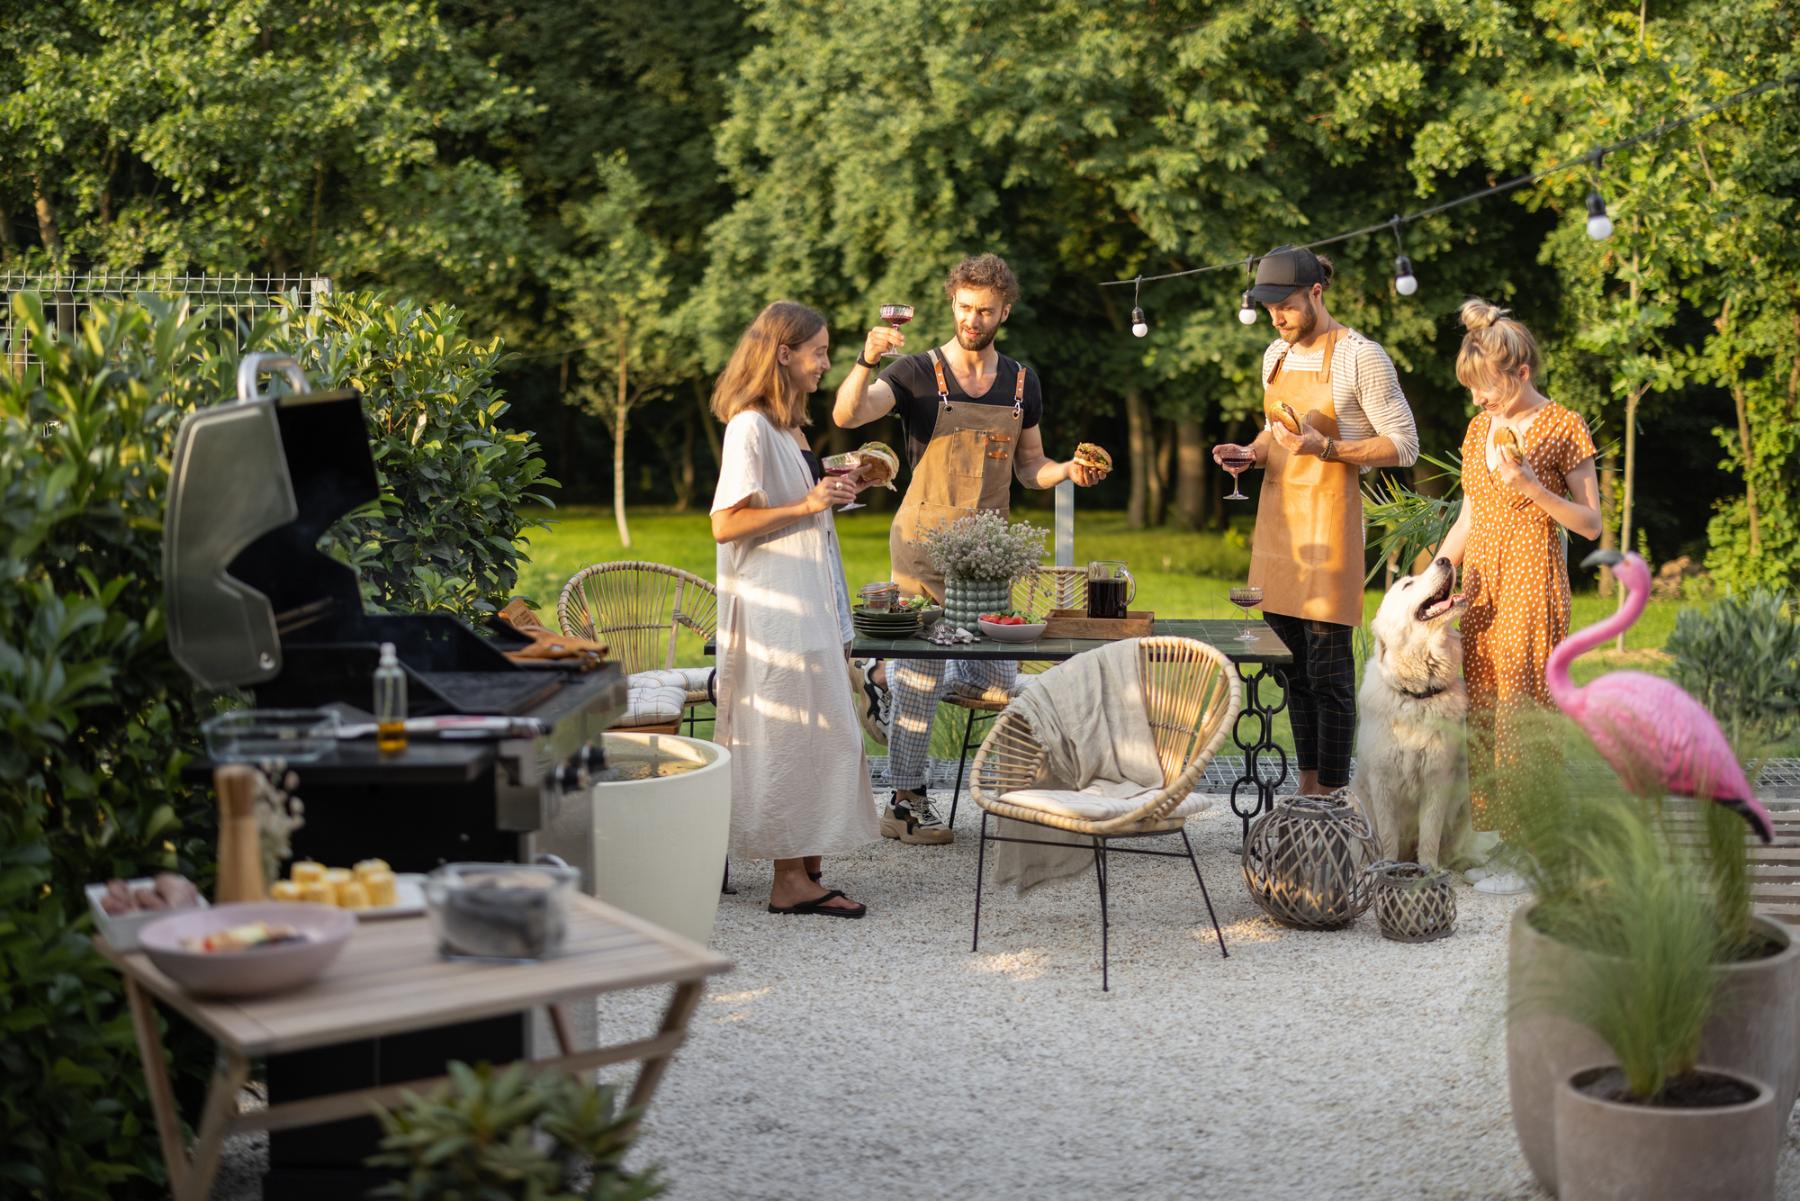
943 386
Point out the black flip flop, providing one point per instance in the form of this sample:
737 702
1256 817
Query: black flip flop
816 877
818 905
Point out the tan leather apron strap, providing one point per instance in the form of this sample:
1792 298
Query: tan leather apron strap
943 385
1019 394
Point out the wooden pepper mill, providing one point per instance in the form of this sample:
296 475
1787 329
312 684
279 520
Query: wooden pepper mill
240 844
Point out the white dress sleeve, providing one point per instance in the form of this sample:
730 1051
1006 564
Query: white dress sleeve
743 466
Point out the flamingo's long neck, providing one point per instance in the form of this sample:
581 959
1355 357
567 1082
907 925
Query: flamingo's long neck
1633 576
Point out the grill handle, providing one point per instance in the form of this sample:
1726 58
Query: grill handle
254 365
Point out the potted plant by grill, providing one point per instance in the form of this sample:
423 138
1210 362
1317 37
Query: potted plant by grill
979 556
1651 1118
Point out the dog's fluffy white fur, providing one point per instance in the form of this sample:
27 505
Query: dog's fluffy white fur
1411 765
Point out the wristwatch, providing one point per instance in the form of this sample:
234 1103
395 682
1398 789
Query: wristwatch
1330 449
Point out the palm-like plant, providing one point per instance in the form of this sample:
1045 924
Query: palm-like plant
1409 521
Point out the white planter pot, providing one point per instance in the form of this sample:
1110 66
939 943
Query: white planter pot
660 843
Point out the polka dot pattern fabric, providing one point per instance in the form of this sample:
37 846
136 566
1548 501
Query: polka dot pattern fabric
1516 577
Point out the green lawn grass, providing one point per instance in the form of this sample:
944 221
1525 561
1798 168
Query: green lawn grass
1179 574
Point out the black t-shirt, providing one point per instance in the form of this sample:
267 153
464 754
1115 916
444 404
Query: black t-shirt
916 397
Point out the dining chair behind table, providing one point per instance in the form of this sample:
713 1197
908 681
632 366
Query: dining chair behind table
1190 694
641 611
1034 594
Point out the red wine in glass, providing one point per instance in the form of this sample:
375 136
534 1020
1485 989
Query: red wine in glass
895 315
1246 597
1237 463
842 465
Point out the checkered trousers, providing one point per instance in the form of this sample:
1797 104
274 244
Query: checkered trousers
1321 695
917 686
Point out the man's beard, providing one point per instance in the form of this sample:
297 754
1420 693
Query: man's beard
981 342
1308 324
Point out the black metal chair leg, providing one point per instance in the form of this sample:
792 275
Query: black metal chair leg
980 863
1100 878
962 761
1204 895
725 884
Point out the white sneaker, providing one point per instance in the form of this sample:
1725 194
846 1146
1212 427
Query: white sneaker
1477 873
1502 884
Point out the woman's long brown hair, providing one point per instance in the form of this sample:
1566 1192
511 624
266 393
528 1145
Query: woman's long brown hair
753 378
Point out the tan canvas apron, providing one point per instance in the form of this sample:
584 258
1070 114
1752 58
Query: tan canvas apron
967 466
1308 553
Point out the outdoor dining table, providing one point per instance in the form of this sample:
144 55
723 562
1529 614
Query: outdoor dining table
1261 659
390 980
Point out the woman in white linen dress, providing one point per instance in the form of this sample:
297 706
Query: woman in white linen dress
799 778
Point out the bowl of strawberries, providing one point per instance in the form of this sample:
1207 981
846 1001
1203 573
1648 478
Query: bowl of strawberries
1010 627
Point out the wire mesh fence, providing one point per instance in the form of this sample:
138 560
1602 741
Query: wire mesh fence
234 300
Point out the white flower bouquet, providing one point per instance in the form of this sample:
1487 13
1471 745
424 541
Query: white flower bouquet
984 546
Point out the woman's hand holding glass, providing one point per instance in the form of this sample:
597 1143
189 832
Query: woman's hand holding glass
832 490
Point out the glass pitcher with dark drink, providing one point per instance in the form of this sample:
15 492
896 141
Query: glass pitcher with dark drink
1109 589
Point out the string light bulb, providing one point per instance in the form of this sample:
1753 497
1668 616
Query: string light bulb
1247 310
1405 282
1599 225
1139 326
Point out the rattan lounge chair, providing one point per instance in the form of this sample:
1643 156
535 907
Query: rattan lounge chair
1190 695
640 611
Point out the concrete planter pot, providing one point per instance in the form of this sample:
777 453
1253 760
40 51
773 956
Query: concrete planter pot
1618 1151
1754 1031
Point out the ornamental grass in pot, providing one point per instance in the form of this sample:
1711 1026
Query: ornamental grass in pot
1567 843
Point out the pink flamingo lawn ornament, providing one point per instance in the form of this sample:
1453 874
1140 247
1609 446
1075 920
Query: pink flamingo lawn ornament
1658 738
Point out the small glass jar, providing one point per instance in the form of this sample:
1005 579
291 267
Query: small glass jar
502 912
879 597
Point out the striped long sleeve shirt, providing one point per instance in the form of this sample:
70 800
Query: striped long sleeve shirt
1364 389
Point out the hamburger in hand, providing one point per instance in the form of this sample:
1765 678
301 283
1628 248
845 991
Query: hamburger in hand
1283 412
1508 444
1094 457
873 465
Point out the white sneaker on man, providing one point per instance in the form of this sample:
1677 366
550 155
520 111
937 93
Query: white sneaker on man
1502 884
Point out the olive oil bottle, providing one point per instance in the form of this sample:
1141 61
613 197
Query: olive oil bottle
390 702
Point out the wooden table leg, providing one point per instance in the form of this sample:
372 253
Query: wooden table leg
156 1075
229 1074
675 1020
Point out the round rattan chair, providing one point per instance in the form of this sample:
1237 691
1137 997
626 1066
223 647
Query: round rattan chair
1190 698
1035 594
640 611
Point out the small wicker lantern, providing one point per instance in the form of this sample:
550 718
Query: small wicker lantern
1306 861
1413 903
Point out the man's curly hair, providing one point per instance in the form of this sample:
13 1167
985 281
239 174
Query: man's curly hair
983 271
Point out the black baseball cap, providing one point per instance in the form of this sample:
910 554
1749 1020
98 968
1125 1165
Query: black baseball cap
1282 270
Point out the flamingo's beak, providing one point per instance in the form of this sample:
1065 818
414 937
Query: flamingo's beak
1607 558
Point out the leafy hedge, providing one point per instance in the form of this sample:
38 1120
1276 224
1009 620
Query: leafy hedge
97 719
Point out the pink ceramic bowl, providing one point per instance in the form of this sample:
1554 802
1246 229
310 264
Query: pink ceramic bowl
325 930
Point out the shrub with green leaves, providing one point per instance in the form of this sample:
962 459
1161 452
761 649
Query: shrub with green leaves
482 1134
1741 659
445 533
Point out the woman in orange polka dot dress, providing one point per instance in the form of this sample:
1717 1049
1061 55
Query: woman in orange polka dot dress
1528 473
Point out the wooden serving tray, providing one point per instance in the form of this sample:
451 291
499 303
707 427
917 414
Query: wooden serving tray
1075 623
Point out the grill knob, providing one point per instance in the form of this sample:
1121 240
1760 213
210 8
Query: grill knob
571 776
591 758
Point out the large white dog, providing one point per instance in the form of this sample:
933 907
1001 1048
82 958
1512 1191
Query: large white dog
1411 759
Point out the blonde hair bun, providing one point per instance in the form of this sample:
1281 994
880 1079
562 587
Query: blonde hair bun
1479 314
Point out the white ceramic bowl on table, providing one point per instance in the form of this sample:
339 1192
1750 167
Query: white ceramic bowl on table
324 930
1005 633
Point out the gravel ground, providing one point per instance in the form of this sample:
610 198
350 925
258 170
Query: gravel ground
880 1058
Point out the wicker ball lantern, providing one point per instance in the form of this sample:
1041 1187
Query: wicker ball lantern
1306 861
1413 903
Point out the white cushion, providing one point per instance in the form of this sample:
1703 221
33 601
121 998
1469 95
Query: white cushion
1097 803
691 680
652 704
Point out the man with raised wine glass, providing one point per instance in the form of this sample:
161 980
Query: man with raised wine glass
972 422
1340 388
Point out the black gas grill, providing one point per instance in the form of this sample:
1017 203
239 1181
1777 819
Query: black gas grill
252 603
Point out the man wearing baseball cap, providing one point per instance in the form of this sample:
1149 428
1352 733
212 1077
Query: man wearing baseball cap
1340 389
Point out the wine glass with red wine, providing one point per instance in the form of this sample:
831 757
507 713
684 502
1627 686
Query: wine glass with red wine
1246 597
845 465
1237 461
895 315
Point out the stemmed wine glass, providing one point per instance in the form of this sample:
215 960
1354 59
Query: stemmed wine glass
1237 462
895 315
844 464
1246 597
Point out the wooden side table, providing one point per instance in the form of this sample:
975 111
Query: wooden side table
391 980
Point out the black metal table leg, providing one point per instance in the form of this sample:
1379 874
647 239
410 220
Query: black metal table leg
1261 744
